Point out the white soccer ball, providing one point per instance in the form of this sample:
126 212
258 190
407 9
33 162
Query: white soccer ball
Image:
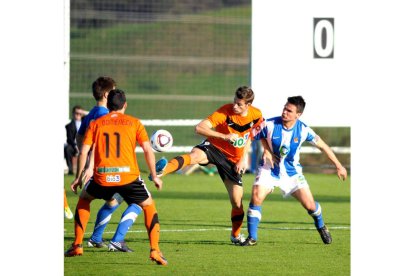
161 140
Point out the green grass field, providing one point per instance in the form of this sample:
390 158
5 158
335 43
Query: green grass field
194 213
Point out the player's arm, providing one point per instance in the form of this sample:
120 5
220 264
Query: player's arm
205 128
79 141
87 172
340 170
150 160
268 157
81 165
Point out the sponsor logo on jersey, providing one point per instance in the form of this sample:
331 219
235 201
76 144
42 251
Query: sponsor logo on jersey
241 141
113 178
284 150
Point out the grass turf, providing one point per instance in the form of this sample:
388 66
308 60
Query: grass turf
194 213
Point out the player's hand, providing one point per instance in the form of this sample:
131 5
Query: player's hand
240 167
231 137
157 182
86 175
75 184
269 158
341 172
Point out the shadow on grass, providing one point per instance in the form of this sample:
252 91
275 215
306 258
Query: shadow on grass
224 196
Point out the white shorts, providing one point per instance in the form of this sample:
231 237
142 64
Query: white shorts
287 184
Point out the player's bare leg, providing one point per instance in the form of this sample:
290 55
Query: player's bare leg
305 197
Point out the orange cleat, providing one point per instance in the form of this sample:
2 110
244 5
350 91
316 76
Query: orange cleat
156 256
74 250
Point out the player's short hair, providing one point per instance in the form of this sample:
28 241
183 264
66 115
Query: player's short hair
116 100
102 85
245 93
297 101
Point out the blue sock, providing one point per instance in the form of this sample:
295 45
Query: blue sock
254 215
102 218
317 216
127 219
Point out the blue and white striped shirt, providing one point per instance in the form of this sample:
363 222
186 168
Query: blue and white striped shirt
286 144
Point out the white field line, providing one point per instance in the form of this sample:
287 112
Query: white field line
229 229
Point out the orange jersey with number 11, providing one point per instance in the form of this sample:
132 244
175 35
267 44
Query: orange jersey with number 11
115 136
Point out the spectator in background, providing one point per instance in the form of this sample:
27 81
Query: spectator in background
71 149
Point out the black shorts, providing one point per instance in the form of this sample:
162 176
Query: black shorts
224 166
135 192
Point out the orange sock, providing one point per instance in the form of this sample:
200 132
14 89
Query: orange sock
153 225
83 211
65 201
177 163
237 216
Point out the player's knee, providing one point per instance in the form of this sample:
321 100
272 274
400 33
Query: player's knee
257 196
112 202
198 156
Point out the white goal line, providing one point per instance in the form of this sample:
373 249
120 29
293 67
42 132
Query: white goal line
229 229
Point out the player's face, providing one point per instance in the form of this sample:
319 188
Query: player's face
240 107
290 113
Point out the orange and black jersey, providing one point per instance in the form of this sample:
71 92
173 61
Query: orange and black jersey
115 136
224 120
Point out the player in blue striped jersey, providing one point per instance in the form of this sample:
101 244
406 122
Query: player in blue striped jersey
282 138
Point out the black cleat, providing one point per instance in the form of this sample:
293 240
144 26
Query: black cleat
249 242
118 246
92 243
325 235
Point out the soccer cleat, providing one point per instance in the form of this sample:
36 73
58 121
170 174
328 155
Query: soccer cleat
239 240
249 242
74 250
325 235
156 256
119 246
159 167
68 213
92 243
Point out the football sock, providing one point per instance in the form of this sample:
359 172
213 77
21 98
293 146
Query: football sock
83 211
317 216
177 163
254 215
237 216
152 224
102 219
127 219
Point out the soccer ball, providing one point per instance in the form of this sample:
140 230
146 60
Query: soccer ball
161 140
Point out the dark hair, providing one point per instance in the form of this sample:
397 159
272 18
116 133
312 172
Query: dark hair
116 100
102 85
245 93
297 101
76 107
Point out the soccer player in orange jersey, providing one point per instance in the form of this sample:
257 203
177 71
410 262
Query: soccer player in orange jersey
229 131
114 137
